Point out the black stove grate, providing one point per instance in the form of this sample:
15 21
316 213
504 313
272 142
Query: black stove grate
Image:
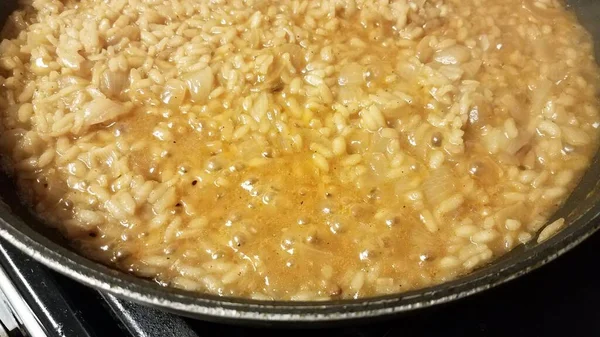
559 299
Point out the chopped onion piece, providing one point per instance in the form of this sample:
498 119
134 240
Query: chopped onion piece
439 186
540 94
351 74
485 171
517 211
453 55
200 84
101 110
424 50
472 68
379 144
297 55
69 58
350 93
378 164
358 141
514 145
173 93
113 83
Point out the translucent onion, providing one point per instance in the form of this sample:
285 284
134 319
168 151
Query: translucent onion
350 93
378 164
504 158
518 211
39 65
379 144
471 68
440 185
254 38
513 106
173 93
453 55
480 113
542 50
407 70
539 95
358 141
539 13
351 74
249 150
69 80
273 81
69 58
106 156
297 54
131 32
423 50
558 72
378 69
518 143
200 84
112 83
101 110
485 170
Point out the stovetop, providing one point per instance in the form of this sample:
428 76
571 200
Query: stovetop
560 299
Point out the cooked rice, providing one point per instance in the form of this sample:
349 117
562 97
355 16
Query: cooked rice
300 150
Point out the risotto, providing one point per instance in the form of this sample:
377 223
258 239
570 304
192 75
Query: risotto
297 150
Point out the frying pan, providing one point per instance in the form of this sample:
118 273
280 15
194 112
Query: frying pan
581 211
